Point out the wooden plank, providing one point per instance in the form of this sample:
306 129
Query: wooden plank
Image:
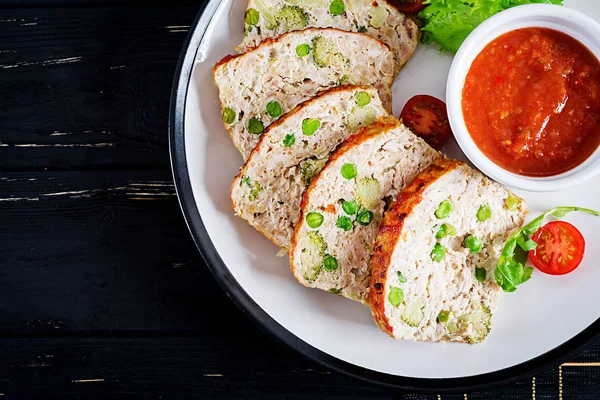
154 368
212 367
88 88
102 251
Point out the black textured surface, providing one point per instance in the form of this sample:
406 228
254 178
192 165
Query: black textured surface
103 293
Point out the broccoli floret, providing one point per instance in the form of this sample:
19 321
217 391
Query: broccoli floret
368 192
412 314
480 320
311 167
359 117
314 249
292 18
255 191
325 53
255 187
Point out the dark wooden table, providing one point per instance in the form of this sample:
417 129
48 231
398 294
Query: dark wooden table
102 292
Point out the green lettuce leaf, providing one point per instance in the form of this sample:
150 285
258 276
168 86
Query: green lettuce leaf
449 22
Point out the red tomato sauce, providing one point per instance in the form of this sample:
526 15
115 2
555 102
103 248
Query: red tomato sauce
531 102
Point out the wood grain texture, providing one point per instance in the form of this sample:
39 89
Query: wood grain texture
87 88
168 368
101 251
202 367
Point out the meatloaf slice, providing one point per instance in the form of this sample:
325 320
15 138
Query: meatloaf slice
435 255
344 204
271 18
269 187
257 87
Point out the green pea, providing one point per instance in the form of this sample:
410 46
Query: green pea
480 274
336 7
512 203
314 219
438 253
252 16
401 277
289 140
441 233
350 207
255 126
344 223
228 115
484 213
396 296
473 243
362 98
443 317
349 171
274 109
330 263
365 217
302 50
444 209
310 126
445 230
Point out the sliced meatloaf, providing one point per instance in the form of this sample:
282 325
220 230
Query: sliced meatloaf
269 187
258 87
436 252
271 18
344 204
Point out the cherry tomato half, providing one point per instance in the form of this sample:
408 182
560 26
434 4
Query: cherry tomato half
407 6
427 118
560 248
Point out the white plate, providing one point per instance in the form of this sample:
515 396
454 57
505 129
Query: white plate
544 322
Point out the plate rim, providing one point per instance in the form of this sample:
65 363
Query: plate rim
260 317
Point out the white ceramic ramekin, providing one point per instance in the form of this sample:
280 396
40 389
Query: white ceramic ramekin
573 23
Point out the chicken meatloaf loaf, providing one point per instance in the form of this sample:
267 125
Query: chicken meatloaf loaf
343 206
436 252
271 18
258 87
269 187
